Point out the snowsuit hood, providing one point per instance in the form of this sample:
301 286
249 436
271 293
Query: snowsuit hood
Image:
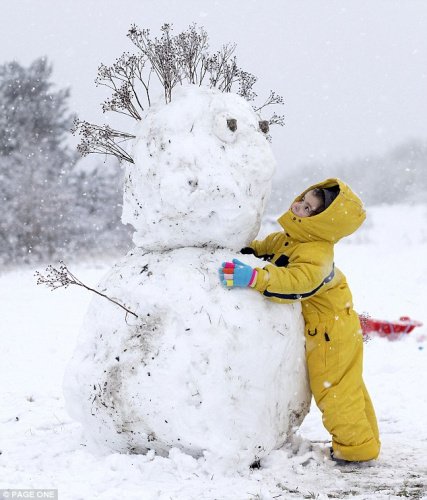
343 216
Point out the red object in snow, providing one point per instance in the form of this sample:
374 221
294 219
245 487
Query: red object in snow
403 325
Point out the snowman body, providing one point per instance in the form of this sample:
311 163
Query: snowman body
209 370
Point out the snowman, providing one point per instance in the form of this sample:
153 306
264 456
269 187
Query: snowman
214 373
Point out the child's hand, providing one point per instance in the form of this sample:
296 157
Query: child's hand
237 273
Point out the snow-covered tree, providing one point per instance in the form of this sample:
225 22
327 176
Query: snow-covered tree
34 158
49 206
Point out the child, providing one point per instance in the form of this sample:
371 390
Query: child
302 269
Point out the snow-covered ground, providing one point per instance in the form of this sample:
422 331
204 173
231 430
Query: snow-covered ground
41 447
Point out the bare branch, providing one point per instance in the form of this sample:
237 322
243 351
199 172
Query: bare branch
222 68
272 99
63 278
101 139
246 82
277 120
120 77
163 55
192 48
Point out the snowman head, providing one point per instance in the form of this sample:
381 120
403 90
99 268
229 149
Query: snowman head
201 174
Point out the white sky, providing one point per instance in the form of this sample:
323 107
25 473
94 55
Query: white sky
353 73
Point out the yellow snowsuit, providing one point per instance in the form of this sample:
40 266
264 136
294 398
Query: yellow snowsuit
302 269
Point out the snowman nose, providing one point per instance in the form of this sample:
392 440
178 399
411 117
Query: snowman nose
232 124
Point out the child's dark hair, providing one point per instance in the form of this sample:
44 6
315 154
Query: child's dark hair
326 196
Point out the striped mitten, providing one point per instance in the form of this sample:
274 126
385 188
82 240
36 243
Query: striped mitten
237 273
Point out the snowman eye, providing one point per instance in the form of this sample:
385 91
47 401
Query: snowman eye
225 128
264 126
232 124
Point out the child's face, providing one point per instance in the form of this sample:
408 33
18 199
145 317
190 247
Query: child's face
308 206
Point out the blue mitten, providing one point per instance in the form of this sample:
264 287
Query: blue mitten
237 273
